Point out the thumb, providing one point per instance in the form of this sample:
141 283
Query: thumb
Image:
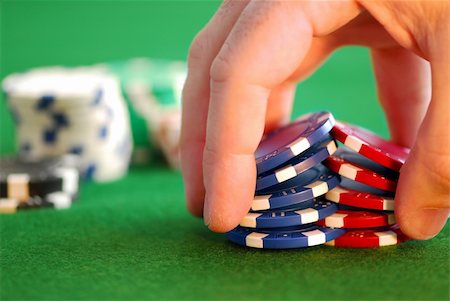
423 193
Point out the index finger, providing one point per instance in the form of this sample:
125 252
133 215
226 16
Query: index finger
266 45
196 100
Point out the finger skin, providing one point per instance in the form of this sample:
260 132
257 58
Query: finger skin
196 100
404 90
423 192
279 107
242 77
320 50
246 70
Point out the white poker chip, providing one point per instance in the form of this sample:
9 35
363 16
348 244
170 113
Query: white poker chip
79 111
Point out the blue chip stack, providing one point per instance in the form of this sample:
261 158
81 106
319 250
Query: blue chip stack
290 187
72 110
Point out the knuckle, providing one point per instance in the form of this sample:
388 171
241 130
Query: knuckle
226 7
198 48
221 67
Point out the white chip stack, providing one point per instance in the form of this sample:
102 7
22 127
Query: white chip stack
72 110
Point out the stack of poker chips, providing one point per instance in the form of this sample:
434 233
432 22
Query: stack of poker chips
290 187
299 201
153 88
25 184
369 167
72 111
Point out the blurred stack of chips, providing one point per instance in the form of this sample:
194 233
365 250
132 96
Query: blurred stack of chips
78 111
153 91
27 184
81 121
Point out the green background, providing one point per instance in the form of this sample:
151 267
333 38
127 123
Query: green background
133 239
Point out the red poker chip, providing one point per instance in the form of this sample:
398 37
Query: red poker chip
351 219
357 198
369 238
360 173
370 145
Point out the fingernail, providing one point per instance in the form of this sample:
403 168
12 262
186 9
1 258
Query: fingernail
430 221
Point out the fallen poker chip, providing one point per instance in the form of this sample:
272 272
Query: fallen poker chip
370 145
283 238
310 184
354 194
291 140
358 168
23 179
313 156
57 200
354 219
369 238
286 218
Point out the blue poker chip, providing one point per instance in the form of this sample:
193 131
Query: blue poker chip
286 218
310 184
297 206
313 156
284 238
291 140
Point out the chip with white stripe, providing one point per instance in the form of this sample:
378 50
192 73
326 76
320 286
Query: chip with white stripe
311 184
370 238
370 145
355 194
353 166
295 167
287 142
24 179
354 218
283 238
320 209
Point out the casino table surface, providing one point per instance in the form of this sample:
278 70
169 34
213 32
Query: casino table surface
133 238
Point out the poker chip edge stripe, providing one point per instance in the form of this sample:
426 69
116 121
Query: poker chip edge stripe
360 174
289 172
260 240
364 149
336 193
389 237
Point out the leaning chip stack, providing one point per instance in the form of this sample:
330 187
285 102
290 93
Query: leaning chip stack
300 200
290 188
25 184
72 111
369 167
153 88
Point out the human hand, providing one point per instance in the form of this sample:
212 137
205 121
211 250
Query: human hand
243 68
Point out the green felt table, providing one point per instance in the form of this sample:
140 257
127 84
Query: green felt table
134 239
